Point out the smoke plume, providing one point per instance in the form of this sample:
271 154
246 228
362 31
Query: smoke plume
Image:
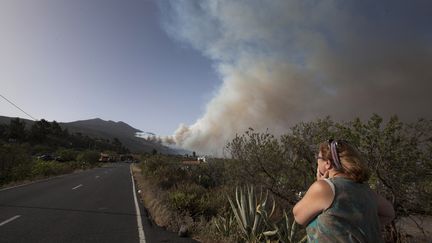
282 62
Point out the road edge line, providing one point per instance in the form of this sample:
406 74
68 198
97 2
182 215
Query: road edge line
80 185
9 220
138 212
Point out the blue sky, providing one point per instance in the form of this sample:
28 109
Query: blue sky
202 71
73 60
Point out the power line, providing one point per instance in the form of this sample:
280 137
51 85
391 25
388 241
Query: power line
34 119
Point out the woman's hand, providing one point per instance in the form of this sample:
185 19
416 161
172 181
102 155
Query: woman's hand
320 176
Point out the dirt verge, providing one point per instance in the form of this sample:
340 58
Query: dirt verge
151 196
415 234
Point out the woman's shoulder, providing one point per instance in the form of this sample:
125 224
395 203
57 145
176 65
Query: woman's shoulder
318 197
322 192
321 187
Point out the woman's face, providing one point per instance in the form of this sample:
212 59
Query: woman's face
323 165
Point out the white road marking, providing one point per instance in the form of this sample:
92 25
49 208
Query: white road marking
80 185
138 212
97 177
10 220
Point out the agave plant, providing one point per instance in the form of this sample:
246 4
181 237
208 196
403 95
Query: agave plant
225 225
286 230
248 210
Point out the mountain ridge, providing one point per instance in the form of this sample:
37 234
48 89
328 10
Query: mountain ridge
99 128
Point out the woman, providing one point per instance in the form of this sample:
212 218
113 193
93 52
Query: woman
340 206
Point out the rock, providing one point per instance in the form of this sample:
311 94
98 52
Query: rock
183 231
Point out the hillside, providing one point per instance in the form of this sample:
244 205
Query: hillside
6 120
98 128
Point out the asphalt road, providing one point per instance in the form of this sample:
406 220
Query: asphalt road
91 206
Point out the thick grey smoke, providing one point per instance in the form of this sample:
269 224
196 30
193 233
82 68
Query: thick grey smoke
282 62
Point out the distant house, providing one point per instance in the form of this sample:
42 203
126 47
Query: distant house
104 157
107 158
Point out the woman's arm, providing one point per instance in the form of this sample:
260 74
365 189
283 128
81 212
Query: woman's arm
386 212
318 197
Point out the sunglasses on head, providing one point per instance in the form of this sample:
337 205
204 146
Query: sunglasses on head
336 142
334 146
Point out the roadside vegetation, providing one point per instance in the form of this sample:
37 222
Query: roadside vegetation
248 197
45 149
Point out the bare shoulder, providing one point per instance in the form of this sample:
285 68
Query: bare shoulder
320 187
318 197
322 193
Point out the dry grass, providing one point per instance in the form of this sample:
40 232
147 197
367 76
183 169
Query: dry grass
155 201
152 198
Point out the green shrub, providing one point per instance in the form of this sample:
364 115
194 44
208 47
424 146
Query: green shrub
182 201
49 168
75 165
41 149
165 172
11 156
67 154
150 165
88 156
187 199
22 172
207 175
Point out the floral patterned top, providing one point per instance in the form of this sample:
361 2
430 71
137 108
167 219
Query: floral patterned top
352 217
